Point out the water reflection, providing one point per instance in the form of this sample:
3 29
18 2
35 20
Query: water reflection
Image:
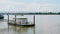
3 26
10 29
21 29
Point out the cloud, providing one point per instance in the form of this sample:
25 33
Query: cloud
8 5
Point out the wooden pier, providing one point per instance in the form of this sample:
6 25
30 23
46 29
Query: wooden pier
15 23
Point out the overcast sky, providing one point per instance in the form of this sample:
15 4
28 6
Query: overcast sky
30 5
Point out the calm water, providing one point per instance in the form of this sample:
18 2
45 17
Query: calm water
45 24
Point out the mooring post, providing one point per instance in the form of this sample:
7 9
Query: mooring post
34 23
15 22
8 22
34 19
8 18
15 19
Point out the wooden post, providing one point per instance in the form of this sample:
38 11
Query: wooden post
34 19
34 23
8 18
15 19
15 22
8 23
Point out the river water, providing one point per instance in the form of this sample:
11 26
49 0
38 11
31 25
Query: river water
44 24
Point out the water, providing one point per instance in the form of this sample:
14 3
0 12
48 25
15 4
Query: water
45 24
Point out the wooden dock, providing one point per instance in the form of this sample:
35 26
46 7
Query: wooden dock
21 24
13 22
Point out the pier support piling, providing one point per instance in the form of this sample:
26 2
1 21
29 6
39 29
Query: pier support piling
15 19
34 19
34 23
8 22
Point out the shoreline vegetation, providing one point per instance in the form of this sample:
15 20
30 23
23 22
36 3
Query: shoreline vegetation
33 13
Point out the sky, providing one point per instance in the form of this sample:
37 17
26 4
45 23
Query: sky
29 5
